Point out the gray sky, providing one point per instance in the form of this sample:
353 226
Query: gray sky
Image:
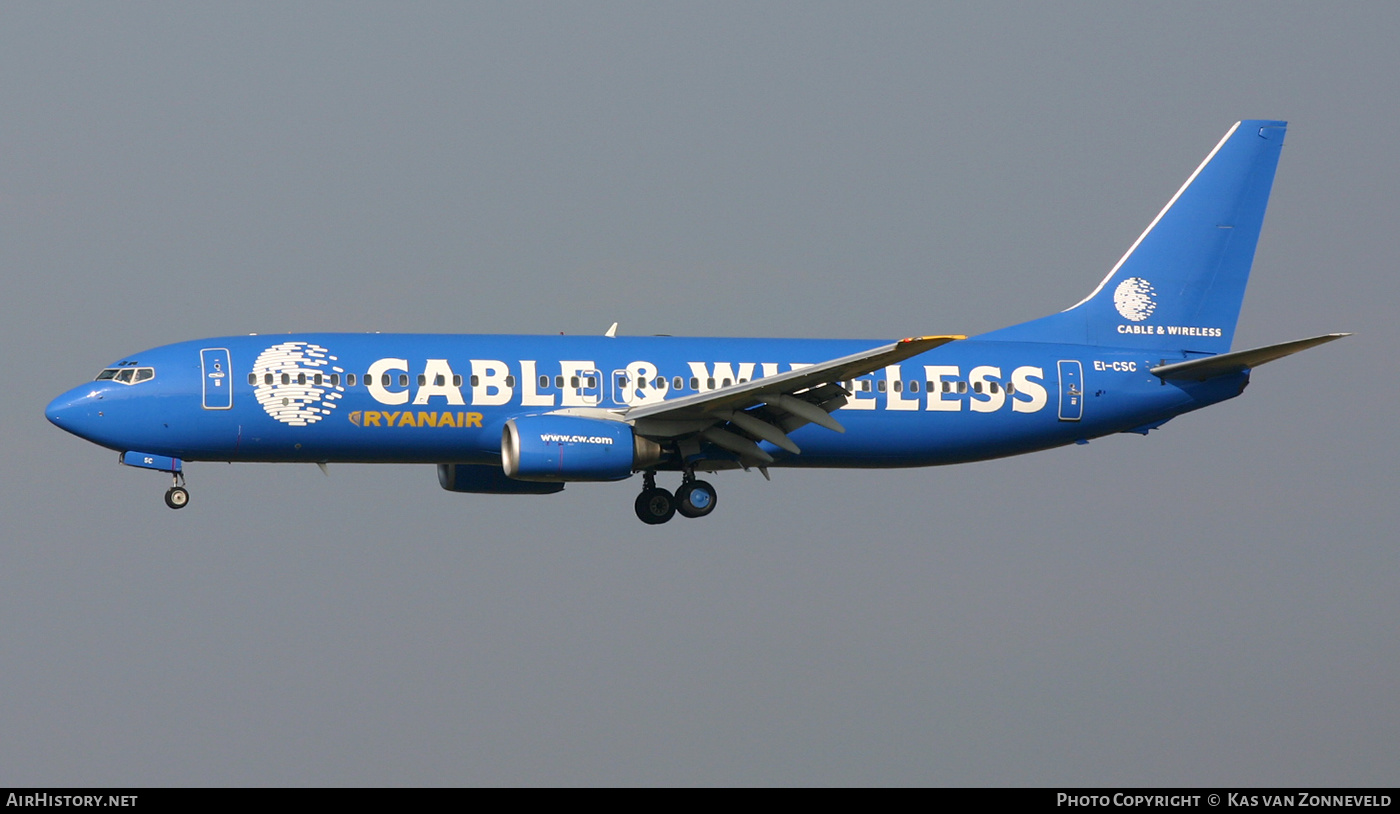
1213 604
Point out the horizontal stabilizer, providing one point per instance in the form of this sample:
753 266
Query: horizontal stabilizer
1239 361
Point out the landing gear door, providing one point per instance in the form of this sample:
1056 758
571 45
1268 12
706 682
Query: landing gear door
1071 390
218 384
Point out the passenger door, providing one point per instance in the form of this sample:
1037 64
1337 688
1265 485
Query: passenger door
1071 390
218 384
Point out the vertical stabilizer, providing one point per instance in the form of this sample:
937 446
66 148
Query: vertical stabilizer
1181 284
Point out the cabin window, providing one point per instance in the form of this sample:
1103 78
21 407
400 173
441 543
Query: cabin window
286 378
335 380
386 380
573 382
267 378
880 385
124 375
544 382
319 380
1011 390
559 382
977 387
510 381
641 383
109 373
694 383
350 379
914 387
476 380
962 387
252 378
660 383
456 380
403 380
591 381
144 373
422 379
725 383
677 384
991 387
865 386
709 384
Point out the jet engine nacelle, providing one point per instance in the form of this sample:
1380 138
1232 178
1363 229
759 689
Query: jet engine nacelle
573 448
488 479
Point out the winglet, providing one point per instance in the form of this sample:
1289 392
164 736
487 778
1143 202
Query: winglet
933 339
915 345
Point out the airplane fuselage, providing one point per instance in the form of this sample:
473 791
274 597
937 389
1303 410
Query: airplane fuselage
419 398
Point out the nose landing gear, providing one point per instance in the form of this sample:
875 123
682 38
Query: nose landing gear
177 496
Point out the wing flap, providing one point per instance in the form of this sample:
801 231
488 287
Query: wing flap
735 418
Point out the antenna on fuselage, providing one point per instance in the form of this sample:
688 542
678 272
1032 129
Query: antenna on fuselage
611 332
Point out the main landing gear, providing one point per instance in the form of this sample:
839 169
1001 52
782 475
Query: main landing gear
177 496
694 498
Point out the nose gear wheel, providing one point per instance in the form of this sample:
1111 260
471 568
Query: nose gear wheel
177 496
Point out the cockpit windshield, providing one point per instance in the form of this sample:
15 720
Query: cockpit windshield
127 375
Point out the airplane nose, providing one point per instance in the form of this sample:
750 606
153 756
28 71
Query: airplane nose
75 411
58 411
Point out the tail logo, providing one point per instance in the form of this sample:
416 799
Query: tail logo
1135 299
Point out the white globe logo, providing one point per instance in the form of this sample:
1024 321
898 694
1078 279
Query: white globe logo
1135 299
292 385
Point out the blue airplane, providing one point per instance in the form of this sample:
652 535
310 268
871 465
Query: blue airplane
528 414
